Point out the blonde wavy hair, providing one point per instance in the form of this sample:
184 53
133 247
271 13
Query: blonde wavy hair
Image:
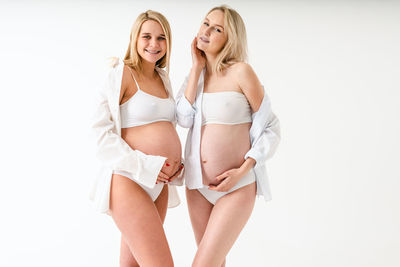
132 58
235 48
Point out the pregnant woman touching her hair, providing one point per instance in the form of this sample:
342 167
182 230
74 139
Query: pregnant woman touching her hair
232 133
138 145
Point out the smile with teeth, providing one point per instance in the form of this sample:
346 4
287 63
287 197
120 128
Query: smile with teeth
153 51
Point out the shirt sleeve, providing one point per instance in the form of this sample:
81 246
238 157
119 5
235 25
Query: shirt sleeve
264 146
184 110
114 152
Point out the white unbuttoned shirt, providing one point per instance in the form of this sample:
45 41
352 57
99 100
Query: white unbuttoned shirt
114 153
264 137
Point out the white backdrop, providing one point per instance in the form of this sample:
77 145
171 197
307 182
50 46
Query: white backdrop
332 72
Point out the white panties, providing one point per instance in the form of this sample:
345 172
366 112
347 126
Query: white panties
212 196
152 192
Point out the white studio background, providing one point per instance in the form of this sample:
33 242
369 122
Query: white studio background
331 69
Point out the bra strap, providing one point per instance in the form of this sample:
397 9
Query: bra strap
133 76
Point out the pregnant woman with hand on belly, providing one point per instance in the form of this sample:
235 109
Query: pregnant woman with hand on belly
138 145
232 132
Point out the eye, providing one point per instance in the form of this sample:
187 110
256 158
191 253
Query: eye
217 30
206 23
146 37
161 38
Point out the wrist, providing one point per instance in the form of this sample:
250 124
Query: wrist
196 68
247 165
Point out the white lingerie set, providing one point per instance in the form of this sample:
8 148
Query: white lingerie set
229 108
143 108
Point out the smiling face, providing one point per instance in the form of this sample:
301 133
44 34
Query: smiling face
212 37
151 42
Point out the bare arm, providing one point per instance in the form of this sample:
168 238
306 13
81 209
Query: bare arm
250 85
198 63
191 89
254 92
265 146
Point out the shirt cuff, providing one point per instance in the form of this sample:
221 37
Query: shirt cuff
254 154
185 107
149 168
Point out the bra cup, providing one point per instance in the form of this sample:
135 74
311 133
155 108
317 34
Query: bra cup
143 108
225 108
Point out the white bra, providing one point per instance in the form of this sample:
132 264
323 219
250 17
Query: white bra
227 107
143 108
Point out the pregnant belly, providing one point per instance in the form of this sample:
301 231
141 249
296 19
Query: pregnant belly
222 148
159 138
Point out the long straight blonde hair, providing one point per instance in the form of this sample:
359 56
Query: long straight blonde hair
132 58
235 48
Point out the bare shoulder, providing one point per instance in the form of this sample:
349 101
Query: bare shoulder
241 66
242 70
248 82
244 74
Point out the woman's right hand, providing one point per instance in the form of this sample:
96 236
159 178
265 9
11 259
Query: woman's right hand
170 170
177 173
198 57
162 178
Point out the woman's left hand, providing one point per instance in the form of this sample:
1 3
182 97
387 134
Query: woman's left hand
228 180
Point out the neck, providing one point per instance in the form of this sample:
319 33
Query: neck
148 69
210 63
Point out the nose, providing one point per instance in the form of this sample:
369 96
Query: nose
207 31
154 42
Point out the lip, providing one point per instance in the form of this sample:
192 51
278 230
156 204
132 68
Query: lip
204 40
152 52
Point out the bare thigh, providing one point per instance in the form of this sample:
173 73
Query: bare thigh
140 223
227 219
199 212
126 258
